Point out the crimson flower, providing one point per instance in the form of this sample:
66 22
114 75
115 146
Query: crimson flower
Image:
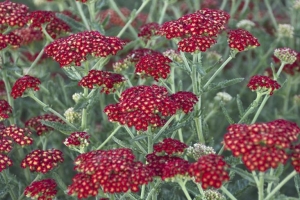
75 48
5 162
109 81
24 83
28 35
263 83
169 147
262 145
77 139
296 157
54 26
43 189
9 39
5 110
18 135
5 144
241 40
12 14
196 43
148 30
36 124
42 160
155 65
210 171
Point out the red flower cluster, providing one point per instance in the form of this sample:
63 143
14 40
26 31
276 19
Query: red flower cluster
296 157
42 160
5 110
41 129
115 171
143 106
109 81
42 190
155 65
24 83
5 144
148 30
54 26
9 39
290 69
262 84
28 35
83 1
210 171
241 40
185 100
75 48
5 162
18 135
77 139
262 145
12 14
164 162
197 29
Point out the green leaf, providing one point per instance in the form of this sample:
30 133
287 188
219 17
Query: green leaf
59 180
233 161
58 126
139 137
239 186
297 184
240 105
279 170
121 143
244 174
75 25
82 103
225 112
223 84
71 74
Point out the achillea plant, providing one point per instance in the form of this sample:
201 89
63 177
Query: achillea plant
149 100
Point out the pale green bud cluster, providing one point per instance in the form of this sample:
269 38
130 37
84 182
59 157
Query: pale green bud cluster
198 150
286 55
285 31
213 195
72 116
77 96
245 24
223 96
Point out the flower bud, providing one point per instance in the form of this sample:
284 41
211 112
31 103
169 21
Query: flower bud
285 30
286 55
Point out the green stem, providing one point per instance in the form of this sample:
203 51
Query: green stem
11 192
136 142
91 8
82 15
30 94
271 13
260 108
182 185
217 72
284 181
109 137
48 37
279 71
84 112
261 186
228 193
186 64
145 2
224 2
287 96
162 129
9 98
253 106
270 183
153 190
37 58
116 8
163 12
152 9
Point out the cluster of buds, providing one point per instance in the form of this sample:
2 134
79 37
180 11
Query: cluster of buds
77 140
72 116
42 161
198 150
174 55
286 55
43 189
115 171
107 80
24 83
5 110
245 24
241 40
144 106
148 30
285 31
36 124
198 29
263 84
262 145
223 96
75 48
28 35
10 39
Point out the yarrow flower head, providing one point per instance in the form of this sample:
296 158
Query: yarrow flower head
245 24
5 162
285 31
24 83
37 125
5 144
296 157
29 35
107 80
198 150
115 171
12 14
241 40
5 110
261 83
169 147
196 43
262 145
10 39
18 135
43 189
54 27
210 170
155 65
174 55
72 116
148 30
75 48
42 161
77 140
143 106
213 195
223 96
296 4
286 55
